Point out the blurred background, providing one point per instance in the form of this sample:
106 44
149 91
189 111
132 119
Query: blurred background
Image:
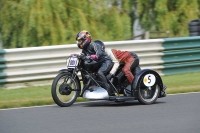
31 23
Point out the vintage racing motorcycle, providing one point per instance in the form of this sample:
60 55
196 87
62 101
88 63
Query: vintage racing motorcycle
80 80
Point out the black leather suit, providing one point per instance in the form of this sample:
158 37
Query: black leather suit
104 60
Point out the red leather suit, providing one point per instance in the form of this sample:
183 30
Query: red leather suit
128 59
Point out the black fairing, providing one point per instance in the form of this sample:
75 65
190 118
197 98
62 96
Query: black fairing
139 77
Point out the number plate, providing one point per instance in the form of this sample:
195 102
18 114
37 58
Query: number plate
72 62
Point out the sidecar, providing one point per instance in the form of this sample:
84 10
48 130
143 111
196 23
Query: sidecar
146 88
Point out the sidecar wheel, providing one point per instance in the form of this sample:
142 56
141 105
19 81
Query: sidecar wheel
65 89
148 95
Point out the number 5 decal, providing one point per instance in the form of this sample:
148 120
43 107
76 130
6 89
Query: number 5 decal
149 80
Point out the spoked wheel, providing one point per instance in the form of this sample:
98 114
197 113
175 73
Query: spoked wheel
65 89
148 94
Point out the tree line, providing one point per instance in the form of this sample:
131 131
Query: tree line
30 23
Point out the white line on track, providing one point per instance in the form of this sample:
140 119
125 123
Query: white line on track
82 102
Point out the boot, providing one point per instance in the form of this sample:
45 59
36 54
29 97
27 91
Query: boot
164 87
109 90
163 93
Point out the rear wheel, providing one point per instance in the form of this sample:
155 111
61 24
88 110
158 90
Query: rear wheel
148 94
65 89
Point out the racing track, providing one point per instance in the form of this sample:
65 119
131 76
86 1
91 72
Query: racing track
172 114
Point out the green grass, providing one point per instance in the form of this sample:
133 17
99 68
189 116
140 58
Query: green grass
41 95
23 97
182 83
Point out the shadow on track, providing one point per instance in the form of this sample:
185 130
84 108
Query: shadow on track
101 103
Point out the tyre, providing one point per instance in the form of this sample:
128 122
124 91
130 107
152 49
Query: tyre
194 29
65 89
148 94
194 23
195 34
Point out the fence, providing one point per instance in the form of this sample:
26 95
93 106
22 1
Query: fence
35 66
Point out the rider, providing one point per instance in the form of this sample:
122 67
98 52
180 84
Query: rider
96 52
130 59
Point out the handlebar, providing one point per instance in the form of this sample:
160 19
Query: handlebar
81 56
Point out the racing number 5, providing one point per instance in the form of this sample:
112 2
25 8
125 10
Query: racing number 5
149 79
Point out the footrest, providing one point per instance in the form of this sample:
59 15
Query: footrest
120 98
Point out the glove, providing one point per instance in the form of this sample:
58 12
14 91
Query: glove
109 76
94 57
82 56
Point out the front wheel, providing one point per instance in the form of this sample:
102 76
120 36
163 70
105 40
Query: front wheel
148 95
65 89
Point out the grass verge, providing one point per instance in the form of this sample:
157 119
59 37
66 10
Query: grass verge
41 95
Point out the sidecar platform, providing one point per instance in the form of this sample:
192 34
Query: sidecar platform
98 93
121 98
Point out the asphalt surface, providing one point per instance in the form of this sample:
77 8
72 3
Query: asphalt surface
172 114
